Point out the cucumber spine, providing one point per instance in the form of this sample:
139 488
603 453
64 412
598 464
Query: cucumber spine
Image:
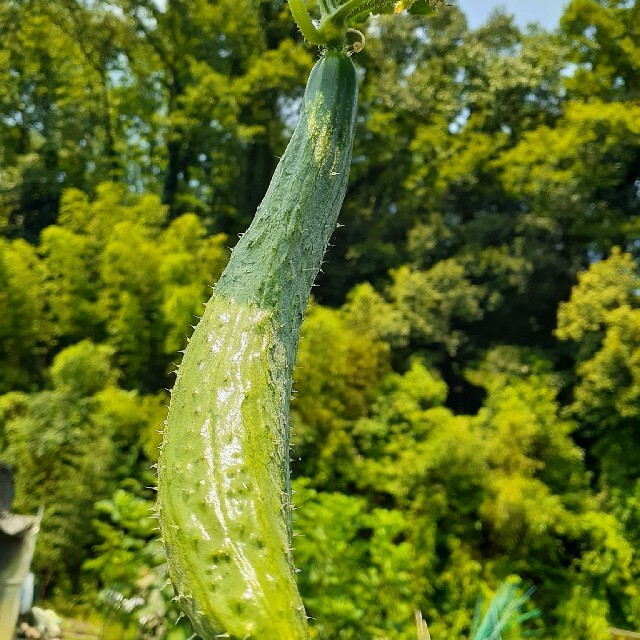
223 473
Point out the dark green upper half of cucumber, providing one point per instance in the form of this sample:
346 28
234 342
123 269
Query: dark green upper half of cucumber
276 261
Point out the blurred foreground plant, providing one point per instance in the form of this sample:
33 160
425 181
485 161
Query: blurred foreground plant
504 613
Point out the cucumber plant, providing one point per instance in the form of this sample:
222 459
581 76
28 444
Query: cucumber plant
223 473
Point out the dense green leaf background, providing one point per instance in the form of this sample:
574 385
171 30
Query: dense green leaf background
467 406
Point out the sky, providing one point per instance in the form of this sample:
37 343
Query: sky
545 12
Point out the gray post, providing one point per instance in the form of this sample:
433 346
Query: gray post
17 542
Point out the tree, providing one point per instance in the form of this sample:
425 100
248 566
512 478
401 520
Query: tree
358 571
114 271
223 69
438 104
57 113
602 319
603 39
334 388
69 446
24 326
128 566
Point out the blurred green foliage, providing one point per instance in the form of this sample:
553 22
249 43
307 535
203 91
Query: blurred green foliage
468 380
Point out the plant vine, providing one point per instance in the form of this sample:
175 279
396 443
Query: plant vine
337 18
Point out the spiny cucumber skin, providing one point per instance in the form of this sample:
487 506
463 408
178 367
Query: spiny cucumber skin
224 492
223 508
277 260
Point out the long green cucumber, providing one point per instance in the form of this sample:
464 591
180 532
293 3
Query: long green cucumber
224 489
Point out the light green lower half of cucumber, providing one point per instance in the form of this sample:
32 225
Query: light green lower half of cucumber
223 480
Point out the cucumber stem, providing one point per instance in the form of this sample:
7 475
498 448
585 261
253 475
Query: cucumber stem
305 24
332 29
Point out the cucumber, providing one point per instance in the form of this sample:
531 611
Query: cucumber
223 476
